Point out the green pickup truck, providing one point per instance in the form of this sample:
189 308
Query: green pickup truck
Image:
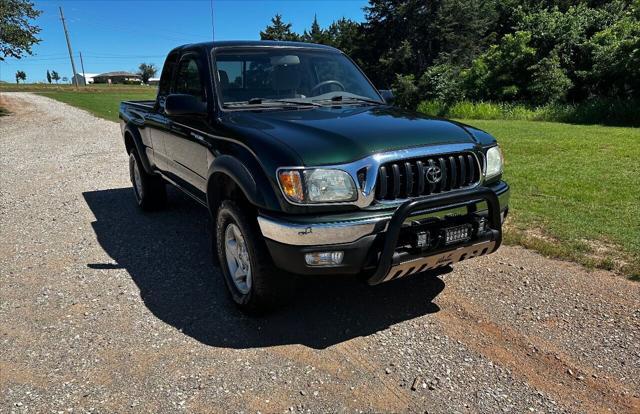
306 168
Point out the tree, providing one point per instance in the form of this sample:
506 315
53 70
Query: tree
55 76
406 91
20 76
503 72
65 79
441 82
346 35
278 30
315 34
394 27
549 83
615 53
464 28
48 76
17 34
146 71
529 51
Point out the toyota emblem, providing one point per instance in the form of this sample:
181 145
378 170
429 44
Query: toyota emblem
433 174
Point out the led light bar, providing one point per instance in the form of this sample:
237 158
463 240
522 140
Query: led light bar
457 234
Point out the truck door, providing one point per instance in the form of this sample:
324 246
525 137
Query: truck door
185 143
157 121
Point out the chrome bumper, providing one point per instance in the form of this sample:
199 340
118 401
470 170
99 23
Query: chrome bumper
317 234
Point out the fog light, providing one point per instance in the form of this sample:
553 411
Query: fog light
324 258
482 225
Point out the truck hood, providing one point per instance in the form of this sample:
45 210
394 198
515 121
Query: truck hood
336 135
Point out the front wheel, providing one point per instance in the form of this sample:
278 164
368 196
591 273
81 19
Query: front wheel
254 283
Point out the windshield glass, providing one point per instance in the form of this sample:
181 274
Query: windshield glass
261 75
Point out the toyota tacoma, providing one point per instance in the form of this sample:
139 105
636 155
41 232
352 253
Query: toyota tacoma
306 168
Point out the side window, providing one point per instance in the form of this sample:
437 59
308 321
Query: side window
188 79
166 76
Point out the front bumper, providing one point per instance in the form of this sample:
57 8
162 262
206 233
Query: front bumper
369 240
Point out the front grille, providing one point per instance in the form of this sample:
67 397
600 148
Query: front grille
418 176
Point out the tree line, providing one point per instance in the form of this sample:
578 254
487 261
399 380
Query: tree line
522 51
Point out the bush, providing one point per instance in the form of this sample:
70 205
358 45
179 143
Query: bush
605 112
503 72
549 83
441 82
406 91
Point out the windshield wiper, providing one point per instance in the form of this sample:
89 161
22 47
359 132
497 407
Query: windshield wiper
262 101
341 98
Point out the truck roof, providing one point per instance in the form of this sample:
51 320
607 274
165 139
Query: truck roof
251 43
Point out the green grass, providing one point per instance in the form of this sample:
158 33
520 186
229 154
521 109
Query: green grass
575 190
101 100
605 112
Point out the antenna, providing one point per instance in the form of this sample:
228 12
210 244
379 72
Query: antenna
213 26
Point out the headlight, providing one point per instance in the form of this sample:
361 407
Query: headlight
494 162
317 186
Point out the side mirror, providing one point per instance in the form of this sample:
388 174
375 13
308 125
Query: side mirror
181 104
387 95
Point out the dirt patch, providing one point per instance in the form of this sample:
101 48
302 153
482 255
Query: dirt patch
9 105
591 253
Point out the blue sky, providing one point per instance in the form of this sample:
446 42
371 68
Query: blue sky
119 35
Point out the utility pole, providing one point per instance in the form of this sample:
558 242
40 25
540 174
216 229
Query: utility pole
66 33
84 76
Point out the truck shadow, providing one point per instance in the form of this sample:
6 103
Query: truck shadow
168 256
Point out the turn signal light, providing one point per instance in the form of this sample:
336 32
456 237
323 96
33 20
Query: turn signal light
291 184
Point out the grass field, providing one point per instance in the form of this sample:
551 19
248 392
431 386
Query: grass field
101 100
575 188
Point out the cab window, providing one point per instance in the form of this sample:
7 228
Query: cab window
188 80
165 78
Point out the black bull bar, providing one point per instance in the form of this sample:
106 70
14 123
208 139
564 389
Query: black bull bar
486 243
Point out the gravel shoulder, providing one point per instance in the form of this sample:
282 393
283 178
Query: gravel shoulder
106 309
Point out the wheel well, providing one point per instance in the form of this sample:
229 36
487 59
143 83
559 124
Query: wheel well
222 187
128 142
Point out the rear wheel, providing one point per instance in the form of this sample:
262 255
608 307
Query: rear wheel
253 281
149 190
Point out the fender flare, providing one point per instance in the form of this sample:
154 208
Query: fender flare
254 185
140 148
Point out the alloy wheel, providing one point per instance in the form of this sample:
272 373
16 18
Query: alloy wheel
238 262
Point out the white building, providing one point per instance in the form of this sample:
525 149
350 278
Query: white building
86 79
153 81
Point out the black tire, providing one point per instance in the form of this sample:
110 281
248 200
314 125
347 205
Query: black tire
149 190
269 287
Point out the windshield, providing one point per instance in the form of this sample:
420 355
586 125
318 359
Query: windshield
263 75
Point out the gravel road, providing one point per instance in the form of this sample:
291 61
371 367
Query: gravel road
106 309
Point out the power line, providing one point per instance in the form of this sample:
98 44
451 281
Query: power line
37 59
